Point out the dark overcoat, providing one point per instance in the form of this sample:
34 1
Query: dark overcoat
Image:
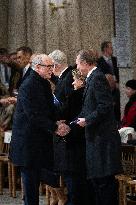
103 155
33 124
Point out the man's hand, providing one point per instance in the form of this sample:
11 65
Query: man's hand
8 100
81 122
12 100
111 81
4 101
63 129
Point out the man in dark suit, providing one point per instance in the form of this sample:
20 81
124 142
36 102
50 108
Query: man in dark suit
20 70
20 63
108 65
34 123
103 156
64 83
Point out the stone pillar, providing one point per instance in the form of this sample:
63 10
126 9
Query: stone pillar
3 23
17 33
133 34
122 41
123 45
35 20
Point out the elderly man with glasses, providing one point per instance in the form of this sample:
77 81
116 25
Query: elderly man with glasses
34 124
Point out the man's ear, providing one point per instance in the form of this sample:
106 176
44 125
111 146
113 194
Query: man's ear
37 67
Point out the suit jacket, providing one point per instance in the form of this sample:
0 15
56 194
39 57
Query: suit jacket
15 79
64 85
104 66
103 155
33 124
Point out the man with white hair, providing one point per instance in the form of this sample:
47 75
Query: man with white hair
34 124
64 85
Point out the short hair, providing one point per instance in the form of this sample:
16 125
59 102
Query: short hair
3 51
35 61
25 49
59 57
90 56
104 45
38 59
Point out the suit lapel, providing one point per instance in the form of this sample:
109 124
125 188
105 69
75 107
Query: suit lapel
86 87
88 83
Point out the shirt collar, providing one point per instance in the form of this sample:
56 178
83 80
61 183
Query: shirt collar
25 69
106 58
90 72
62 72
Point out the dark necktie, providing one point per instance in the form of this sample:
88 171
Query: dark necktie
109 61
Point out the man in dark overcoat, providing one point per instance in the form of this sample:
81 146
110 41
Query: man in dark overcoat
34 123
103 155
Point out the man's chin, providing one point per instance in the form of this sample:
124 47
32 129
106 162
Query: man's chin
48 77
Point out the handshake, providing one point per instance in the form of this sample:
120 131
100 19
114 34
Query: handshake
63 128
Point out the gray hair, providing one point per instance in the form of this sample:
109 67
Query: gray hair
37 60
58 57
90 56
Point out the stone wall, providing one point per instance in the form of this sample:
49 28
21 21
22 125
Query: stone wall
133 34
80 24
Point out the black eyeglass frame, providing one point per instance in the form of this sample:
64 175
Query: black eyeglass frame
47 66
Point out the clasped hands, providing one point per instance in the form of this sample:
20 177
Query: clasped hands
63 129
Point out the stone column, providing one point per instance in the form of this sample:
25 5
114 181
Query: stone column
123 45
35 13
3 23
17 33
122 20
133 34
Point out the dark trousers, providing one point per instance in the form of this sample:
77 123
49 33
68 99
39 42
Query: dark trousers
103 191
77 190
31 182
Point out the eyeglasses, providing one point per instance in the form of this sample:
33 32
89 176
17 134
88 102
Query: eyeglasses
47 66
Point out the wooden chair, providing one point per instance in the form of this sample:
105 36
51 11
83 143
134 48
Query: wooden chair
129 159
129 167
11 169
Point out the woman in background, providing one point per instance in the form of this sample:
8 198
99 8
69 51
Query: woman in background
129 118
70 151
128 123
